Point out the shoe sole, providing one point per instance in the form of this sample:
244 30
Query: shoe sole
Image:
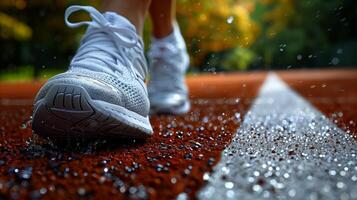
68 111
172 110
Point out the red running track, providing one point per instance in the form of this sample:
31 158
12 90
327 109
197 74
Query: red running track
173 161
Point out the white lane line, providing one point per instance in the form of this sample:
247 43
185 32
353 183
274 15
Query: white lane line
285 149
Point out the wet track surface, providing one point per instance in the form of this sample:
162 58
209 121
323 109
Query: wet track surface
285 149
175 162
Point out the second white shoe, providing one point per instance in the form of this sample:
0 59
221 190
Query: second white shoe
168 62
103 94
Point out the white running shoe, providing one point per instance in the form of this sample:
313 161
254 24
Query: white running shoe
103 93
168 62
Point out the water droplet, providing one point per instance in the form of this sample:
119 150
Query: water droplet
286 175
173 180
230 194
340 185
26 173
182 196
210 161
188 156
292 192
332 172
335 61
105 170
102 179
81 191
230 19
43 191
257 188
159 167
229 185
237 115
354 178
102 163
339 51
206 176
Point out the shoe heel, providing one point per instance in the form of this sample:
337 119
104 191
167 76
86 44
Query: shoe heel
62 110
68 111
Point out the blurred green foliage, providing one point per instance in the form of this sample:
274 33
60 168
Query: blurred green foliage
220 35
50 44
306 33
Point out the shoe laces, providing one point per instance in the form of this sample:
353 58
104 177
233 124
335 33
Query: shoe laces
97 44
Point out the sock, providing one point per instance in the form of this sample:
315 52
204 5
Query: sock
171 38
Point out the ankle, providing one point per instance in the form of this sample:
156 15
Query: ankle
133 10
163 27
163 32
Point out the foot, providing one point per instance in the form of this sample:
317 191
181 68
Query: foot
103 93
168 64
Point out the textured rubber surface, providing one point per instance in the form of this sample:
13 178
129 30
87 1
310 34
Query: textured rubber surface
68 111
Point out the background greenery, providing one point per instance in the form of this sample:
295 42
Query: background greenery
221 35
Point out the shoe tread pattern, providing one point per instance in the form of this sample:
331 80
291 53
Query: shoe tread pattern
68 111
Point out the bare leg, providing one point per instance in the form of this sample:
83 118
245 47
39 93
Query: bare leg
134 10
163 14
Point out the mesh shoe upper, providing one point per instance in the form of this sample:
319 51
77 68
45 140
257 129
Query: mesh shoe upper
110 44
109 63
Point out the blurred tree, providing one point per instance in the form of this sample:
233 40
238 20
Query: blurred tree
215 25
222 35
304 32
11 28
237 59
51 44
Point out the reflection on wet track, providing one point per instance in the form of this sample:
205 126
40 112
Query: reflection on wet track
305 152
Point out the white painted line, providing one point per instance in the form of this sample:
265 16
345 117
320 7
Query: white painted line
285 149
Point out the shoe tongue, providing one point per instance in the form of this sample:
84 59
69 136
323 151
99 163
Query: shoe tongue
119 21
